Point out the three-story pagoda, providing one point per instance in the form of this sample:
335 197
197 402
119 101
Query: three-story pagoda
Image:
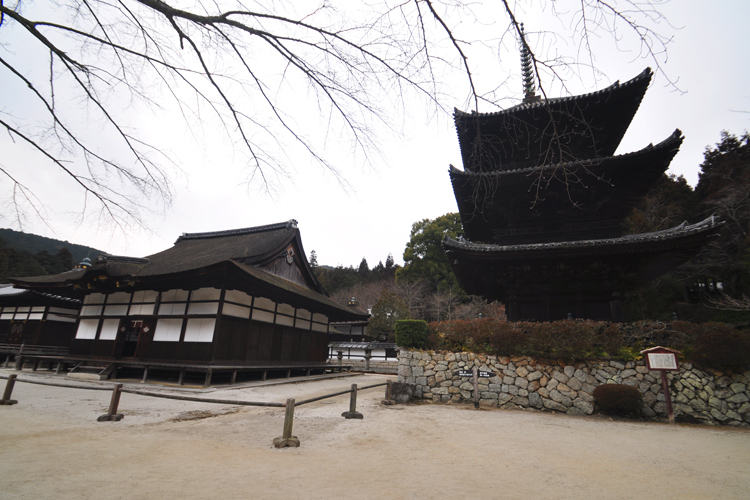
543 197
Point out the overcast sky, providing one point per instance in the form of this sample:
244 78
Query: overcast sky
408 180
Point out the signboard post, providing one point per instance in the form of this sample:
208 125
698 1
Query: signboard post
663 360
475 375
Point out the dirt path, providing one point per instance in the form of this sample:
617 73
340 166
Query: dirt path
51 446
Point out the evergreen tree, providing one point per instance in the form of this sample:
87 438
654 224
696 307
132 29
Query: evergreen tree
389 308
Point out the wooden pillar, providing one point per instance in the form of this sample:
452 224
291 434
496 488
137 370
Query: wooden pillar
145 375
19 358
234 376
353 413
389 394
286 440
112 415
475 376
181 380
265 374
209 374
9 391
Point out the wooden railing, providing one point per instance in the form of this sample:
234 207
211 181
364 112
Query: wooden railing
33 350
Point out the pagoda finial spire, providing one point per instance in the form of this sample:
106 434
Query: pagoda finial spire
529 87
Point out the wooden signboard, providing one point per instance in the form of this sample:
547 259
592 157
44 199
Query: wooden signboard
663 359
469 373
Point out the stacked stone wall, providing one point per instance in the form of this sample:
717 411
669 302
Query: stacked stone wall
522 382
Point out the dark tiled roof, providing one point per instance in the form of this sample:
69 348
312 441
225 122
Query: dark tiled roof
525 173
300 296
10 292
250 245
585 126
709 225
363 345
646 74
240 249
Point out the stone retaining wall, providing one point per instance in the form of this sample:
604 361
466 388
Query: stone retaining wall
697 395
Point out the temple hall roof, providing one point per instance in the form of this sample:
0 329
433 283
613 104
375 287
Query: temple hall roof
242 257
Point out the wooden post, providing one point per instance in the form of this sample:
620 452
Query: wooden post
265 374
112 415
287 440
368 357
234 377
667 396
475 376
19 358
353 413
9 391
7 360
181 380
59 368
288 373
145 375
209 374
389 394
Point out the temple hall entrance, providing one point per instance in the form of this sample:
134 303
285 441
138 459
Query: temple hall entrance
132 339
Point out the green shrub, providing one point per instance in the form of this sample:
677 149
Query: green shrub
618 399
719 346
411 333
711 345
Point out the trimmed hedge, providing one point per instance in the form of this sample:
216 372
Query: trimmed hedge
411 333
711 345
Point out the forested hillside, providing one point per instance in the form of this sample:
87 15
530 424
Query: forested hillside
23 254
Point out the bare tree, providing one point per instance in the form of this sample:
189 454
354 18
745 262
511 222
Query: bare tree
78 63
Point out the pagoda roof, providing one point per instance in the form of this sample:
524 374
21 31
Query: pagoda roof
620 263
575 200
243 258
550 130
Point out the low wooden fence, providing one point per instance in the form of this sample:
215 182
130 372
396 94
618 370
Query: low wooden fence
112 415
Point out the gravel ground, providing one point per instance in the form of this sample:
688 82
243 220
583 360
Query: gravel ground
51 446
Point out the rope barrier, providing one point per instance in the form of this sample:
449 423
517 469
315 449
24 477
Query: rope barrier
284 441
190 398
312 400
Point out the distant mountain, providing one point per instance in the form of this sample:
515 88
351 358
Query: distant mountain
34 244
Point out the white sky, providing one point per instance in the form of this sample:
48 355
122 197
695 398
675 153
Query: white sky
409 180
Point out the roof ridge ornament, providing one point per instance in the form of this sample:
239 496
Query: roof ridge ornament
529 86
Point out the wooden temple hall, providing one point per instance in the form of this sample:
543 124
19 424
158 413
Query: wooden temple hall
543 197
230 304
